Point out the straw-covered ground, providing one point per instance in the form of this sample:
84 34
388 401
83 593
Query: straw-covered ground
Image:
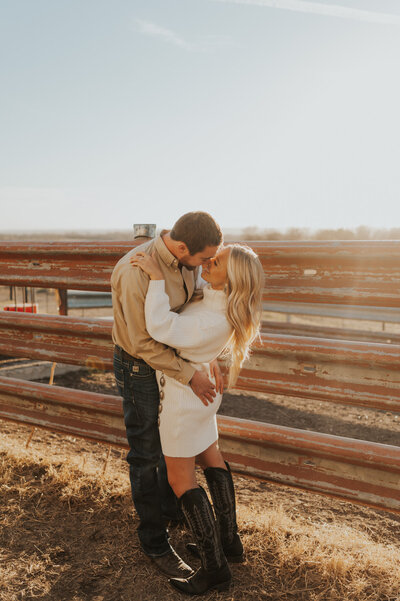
67 533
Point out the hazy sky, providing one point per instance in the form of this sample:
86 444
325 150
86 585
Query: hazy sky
275 113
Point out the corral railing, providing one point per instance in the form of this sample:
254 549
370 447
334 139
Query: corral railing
361 373
351 273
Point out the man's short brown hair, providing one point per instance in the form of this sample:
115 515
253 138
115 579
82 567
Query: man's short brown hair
197 230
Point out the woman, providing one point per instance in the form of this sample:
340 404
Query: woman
226 319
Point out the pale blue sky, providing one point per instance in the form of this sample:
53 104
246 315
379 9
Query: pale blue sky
269 113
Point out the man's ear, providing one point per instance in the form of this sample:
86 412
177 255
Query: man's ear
182 249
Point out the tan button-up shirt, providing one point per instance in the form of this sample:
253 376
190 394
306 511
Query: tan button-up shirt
129 287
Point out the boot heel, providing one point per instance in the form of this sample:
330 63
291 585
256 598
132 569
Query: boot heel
223 586
192 548
235 558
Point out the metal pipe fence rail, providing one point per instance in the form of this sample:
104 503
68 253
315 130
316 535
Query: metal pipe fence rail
343 272
320 331
341 371
351 469
334 370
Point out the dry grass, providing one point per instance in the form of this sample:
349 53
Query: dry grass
325 562
67 533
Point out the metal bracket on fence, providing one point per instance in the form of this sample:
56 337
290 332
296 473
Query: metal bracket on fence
144 230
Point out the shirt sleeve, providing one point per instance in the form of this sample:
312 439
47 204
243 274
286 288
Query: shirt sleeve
180 331
132 294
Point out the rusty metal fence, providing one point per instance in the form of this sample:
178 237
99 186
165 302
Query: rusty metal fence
364 373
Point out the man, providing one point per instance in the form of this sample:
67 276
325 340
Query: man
193 240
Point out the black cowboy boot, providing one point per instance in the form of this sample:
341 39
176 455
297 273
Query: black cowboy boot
222 491
214 572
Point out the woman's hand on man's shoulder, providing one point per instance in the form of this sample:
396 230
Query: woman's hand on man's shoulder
147 264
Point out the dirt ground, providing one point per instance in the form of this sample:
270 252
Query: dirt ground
67 533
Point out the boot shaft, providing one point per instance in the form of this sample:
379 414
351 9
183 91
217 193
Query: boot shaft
200 518
222 491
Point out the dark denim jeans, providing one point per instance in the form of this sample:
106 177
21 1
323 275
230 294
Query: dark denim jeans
152 496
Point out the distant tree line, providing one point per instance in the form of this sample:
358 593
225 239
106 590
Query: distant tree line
294 233
248 233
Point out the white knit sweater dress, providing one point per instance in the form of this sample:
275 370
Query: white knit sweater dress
199 334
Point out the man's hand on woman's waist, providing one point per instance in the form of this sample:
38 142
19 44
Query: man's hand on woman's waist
202 387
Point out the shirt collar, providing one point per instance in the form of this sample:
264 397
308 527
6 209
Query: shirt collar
165 254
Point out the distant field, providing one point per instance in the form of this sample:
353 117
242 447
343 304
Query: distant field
248 233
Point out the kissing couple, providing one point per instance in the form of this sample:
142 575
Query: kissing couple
180 301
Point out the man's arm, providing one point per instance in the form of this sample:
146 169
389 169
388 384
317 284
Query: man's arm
133 284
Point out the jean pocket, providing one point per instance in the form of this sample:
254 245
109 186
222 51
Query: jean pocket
143 390
141 370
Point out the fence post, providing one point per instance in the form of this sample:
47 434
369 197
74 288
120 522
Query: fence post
144 230
62 301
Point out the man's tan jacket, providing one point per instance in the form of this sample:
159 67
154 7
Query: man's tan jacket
129 287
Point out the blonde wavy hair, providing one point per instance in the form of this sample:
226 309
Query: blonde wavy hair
245 281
